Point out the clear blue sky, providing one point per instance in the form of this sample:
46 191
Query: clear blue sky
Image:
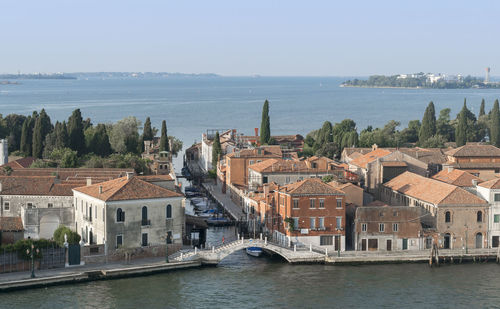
256 37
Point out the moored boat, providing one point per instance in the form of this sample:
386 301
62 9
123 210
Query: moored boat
254 251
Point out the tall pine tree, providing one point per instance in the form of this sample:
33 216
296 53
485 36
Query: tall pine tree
37 139
461 130
147 132
75 132
495 125
428 127
164 146
25 144
481 109
216 151
265 125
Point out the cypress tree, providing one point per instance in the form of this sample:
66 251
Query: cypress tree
164 146
216 151
37 139
495 125
61 135
461 131
325 135
75 132
24 146
265 125
147 134
481 109
428 127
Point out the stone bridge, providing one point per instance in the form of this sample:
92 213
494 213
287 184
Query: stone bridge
213 256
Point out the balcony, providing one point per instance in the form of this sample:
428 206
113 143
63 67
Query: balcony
87 218
145 222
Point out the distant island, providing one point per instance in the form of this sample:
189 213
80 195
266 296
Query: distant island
421 80
36 76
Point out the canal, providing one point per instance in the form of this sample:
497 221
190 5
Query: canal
241 281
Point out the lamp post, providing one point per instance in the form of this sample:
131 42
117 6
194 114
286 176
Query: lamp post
166 248
466 238
339 241
31 253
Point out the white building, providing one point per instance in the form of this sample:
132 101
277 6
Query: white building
128 212
490 191
4 152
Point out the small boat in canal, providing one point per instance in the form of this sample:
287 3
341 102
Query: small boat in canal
254 251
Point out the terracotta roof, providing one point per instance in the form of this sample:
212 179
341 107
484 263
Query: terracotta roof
491 184
475 150
456 177
265 151
123 189
310 186
20 163
67 173
426 155
432 191
34 185
370 157
11 224
342 186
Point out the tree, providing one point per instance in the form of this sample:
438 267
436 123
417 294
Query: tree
27 134
471 128
37 139
164 146
15 124
62 138
97 140
443 126
176 145
325 135
216 151
147 132
265 125
410 134
428 127
73 237
495 125
481 109
124 135
75 132
461 130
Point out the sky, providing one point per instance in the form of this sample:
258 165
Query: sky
273 38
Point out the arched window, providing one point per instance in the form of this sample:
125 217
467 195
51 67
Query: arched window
447 217
480 216
169 211
145 215
120 215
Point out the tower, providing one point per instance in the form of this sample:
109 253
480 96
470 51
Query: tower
4 152
487 79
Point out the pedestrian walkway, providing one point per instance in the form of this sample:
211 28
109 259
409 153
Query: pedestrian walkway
225 201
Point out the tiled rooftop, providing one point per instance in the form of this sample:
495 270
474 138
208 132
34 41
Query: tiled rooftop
310 186
475 150
11 224
456 177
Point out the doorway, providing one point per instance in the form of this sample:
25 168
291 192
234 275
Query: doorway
363 244
495 241
479 240
389 244
447 241
405 243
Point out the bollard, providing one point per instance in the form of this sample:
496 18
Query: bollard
195 250
265 240
289 242
238 235
213 249
310 248
294 248
241 239
182 256
326 251
260 236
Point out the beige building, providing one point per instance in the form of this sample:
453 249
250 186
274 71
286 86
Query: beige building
128 212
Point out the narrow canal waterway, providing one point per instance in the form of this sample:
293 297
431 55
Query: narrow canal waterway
241 281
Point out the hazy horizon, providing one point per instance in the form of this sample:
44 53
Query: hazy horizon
279 38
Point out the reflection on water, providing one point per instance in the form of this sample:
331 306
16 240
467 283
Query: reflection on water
242 281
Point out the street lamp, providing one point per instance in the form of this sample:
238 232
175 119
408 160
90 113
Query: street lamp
31 253
339 241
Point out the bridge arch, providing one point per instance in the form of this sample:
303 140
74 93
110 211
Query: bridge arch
231 250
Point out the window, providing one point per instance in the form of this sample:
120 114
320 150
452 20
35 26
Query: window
287 179
479 216
339 203
6 206
497 197
251 162
119 240
338 222
120 215
312 223
144 242
145 220
96 212
447 217
30 205
363 227
295 203
169 211
381 227
326 240
395 227
103 214
321 203
50 205
295 223
496 218
312 203
322 223
90 213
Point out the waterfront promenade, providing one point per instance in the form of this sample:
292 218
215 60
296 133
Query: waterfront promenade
215 191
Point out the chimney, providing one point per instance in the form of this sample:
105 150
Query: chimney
130 175
0 187
266 189
374 147
450 169
89 181
474 182
256 131
100 189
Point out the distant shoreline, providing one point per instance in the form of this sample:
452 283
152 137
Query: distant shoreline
384 87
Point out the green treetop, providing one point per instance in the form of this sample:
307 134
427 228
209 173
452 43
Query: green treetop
75 132
495 125
216 151
164 146
481 109
428 127
147 132
461 130
265 125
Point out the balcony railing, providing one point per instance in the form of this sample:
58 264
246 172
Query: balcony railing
145 222
87 218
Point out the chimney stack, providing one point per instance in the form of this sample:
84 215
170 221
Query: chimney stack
450 169
474 182
130 175
100 189
89 181
256 131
